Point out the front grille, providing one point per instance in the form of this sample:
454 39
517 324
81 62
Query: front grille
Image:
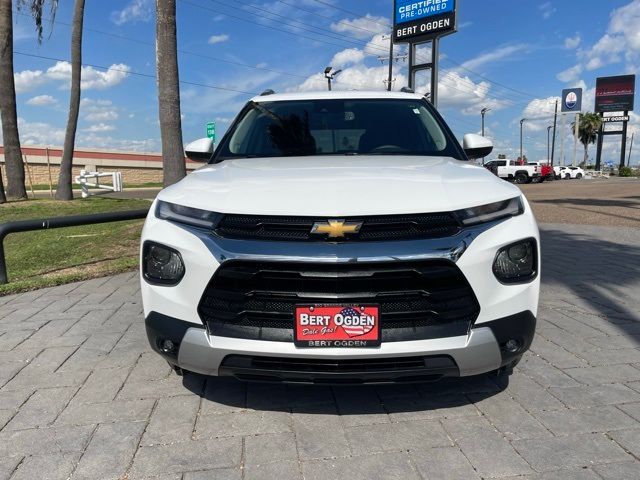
374 228
417 300
337 370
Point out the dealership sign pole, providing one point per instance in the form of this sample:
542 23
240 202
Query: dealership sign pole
614 94
419 21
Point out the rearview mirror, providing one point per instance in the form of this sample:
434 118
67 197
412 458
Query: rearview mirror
476 146
200 150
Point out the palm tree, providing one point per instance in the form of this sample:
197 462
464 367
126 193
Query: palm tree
2 196
589 126
8 110
169 92
64 191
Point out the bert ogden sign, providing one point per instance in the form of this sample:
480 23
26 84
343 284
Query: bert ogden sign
423 20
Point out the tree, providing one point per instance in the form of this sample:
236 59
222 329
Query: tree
588 130
64 190
8 111
2 196
169 92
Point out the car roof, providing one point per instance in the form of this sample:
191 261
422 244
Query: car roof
339 95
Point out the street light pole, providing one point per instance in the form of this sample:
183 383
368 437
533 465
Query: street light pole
329 75
549 142
483 112
521 123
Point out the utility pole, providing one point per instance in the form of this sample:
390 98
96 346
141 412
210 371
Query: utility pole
553 143
549 142
390 78
521 124
630 148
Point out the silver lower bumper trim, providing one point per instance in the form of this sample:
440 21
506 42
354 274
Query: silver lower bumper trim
474 354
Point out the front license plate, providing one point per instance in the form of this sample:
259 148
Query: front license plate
337 326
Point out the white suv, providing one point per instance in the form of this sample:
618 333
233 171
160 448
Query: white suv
340 237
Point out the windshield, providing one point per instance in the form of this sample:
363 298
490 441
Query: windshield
336 127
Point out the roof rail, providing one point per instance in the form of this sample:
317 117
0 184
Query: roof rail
407 90
268 91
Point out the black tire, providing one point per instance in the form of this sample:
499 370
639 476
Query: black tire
567 176
579 176
521 178
557 177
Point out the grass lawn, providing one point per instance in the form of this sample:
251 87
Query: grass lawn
52 257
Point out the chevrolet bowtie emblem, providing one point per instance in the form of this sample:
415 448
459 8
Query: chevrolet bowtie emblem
336 228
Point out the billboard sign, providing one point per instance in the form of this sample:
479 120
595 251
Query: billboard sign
571 100
615 94
422 20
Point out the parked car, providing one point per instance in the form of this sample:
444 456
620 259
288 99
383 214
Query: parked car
546 170
512 170
557 171
340 237
576 172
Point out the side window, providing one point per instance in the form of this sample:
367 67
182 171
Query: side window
502 163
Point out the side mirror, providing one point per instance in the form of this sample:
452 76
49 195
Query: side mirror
476 146
200 150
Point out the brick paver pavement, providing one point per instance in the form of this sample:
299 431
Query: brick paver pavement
82 396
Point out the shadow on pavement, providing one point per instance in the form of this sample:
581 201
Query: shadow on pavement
594 202
346 400
600 277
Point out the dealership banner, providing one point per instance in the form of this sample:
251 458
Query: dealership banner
422 20
615 94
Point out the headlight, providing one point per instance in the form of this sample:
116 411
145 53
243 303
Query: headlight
491 212
516 263
187 215
161 264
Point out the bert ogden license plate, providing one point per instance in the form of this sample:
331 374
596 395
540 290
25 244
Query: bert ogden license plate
337 326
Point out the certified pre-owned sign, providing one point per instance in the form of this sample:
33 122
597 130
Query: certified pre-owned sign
422 20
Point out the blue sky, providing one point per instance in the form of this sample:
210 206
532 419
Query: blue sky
512 56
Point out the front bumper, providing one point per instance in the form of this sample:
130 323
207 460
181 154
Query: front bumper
482 350
506 311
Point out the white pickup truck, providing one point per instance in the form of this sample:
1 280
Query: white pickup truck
512 170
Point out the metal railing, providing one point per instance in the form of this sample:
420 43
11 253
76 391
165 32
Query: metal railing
60 222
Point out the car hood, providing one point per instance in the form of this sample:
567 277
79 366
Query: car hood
339 186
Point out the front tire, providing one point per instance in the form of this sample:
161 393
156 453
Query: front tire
579 176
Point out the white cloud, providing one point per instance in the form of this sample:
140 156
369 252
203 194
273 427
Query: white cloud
571 43
136 11
539 113
620 43
363 27
27 80
499 53
346 57
39 133
91 77
98 111
547 9
570 74
223 37
41 101
100 127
